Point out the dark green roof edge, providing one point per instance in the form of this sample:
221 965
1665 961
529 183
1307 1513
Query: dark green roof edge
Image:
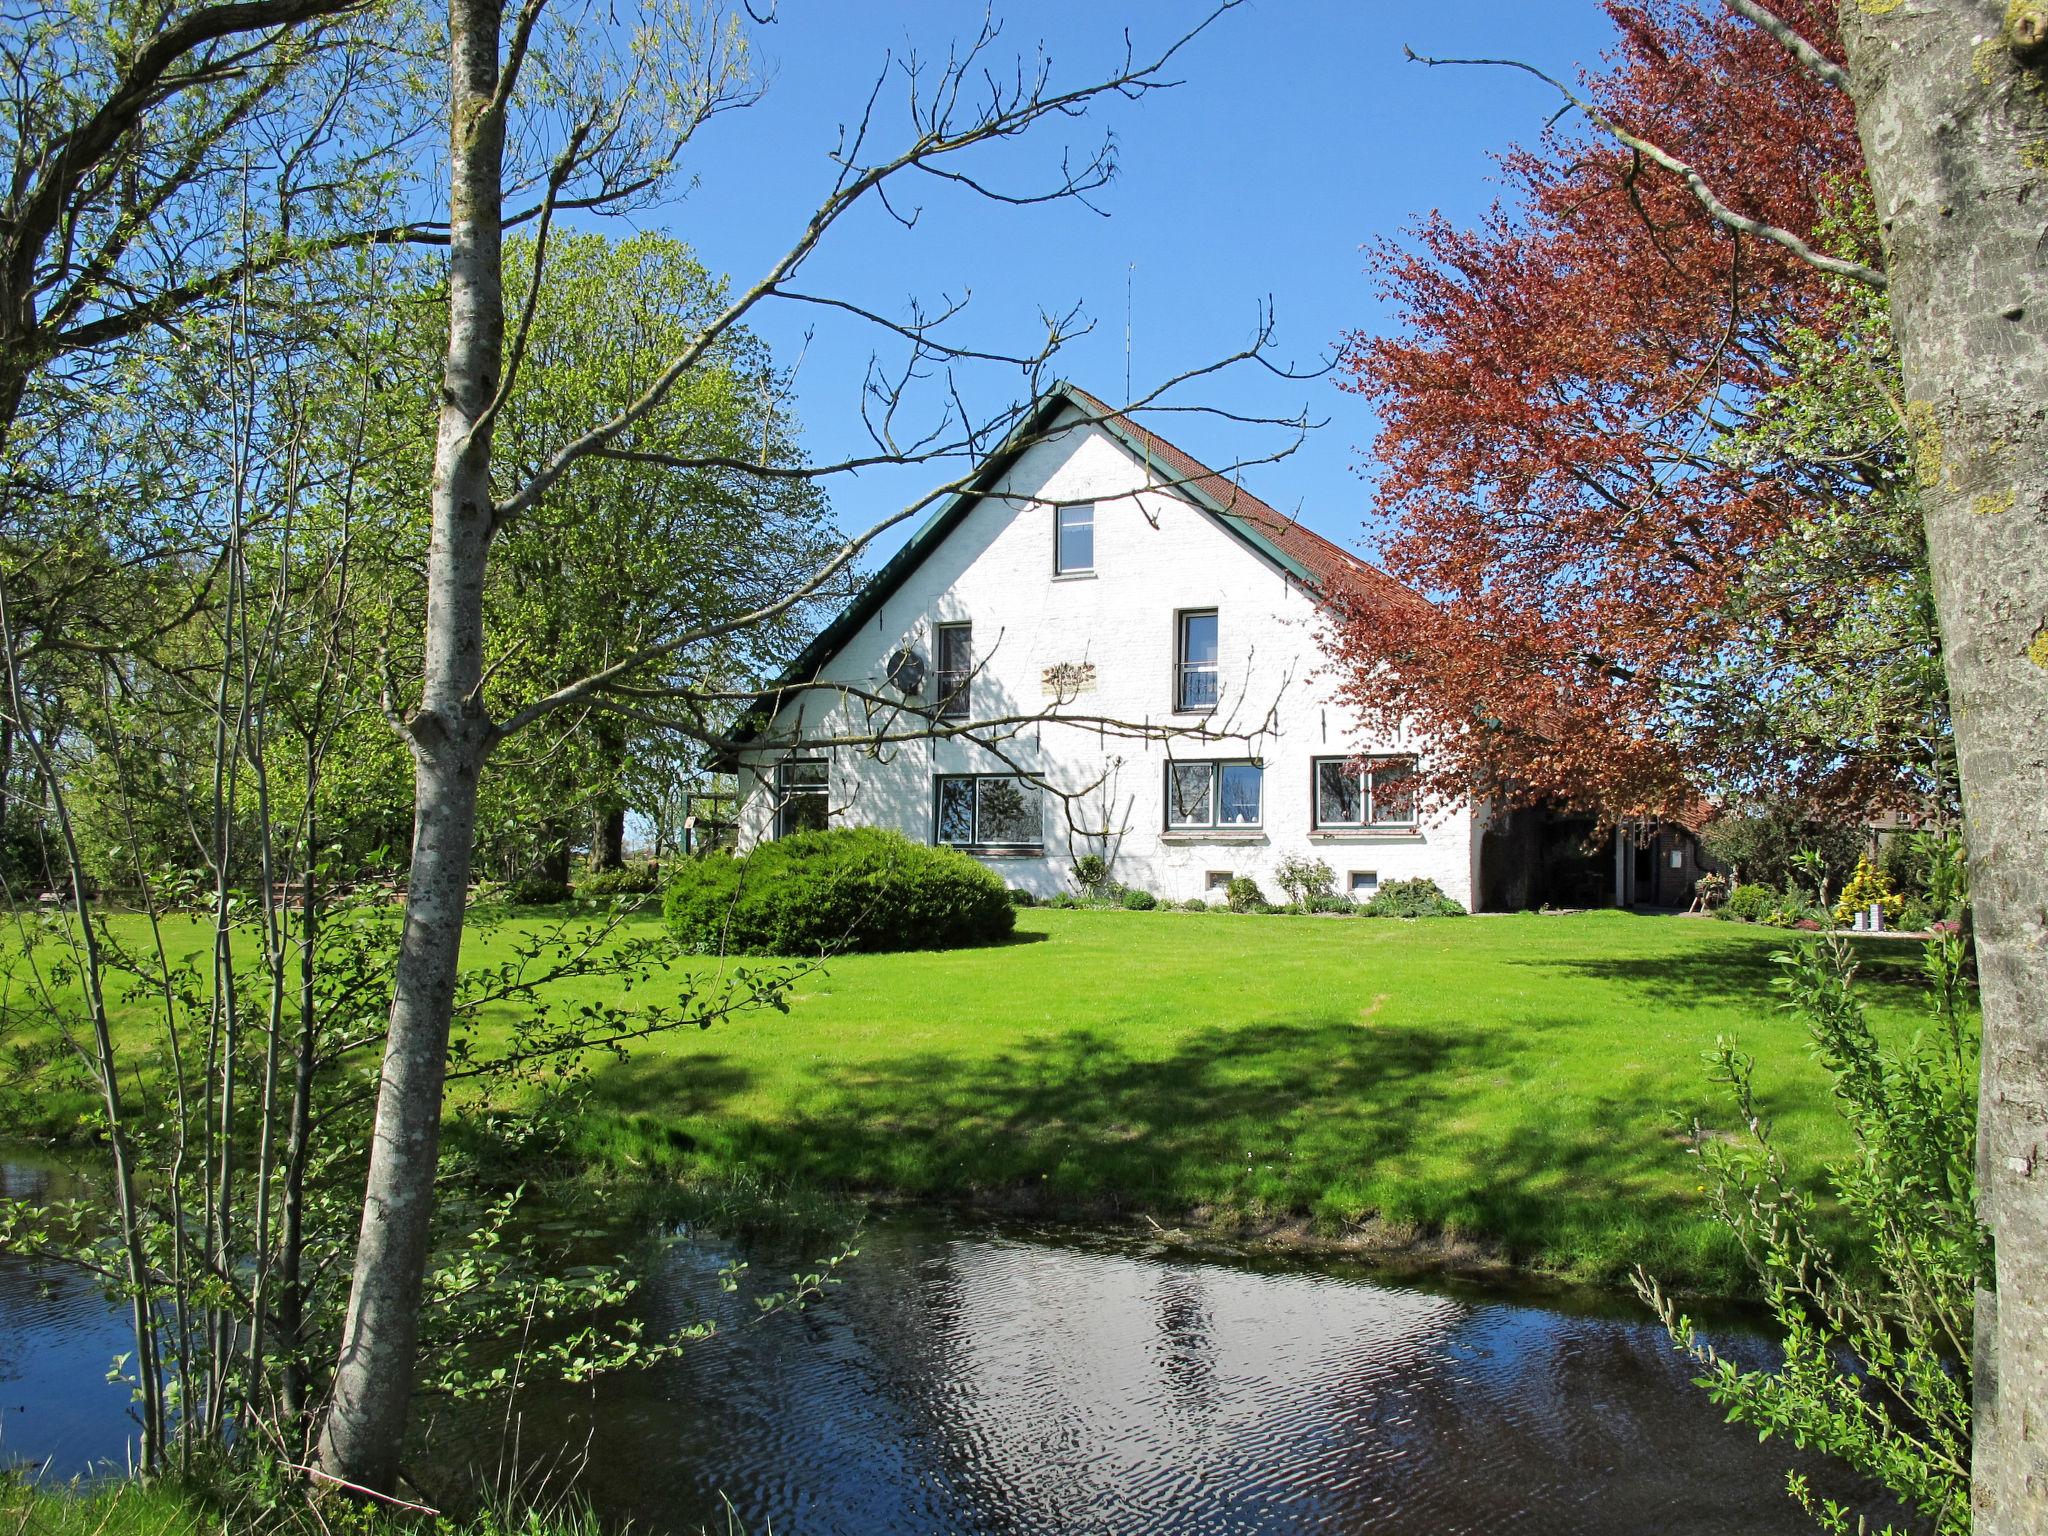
894 571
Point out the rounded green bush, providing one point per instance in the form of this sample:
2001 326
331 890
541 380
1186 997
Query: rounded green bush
537 891
1752 903
630 880
1194 904
843 889
1140 901
1244 895
1412 898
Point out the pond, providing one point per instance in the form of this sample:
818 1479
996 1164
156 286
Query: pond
993 1378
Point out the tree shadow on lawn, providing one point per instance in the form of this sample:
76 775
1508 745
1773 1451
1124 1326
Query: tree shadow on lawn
1290 1117
1888 974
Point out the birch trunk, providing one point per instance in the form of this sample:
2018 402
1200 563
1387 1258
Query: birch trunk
374 1376
1953 112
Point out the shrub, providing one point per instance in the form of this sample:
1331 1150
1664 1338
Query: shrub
1064 900
537 891
845 888
1091 873
1303 880
1244 895
1763 842
1866 887
1876 1330
1194 904
1752 903
1917 915
1334 906
628 880
1412 898
1022 898
1139 901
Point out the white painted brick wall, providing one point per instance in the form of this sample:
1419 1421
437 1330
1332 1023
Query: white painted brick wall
1155 555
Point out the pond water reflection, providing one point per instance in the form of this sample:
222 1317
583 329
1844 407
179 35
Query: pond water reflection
992 1379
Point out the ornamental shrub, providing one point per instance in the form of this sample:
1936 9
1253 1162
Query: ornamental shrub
1244 895
1304 880
1020 897
1752 903
1194 904
1091 873
1866 886
841 889
1412 898
1140 901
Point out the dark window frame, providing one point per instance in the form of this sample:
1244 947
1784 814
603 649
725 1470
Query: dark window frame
977 845
1368 798
786 796
953 686
1215 823
1059 528
1183 668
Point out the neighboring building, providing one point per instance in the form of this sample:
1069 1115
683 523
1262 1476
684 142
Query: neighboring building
1092 577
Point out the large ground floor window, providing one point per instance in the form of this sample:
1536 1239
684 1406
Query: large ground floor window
989 810
803 795
1364 793
1214 795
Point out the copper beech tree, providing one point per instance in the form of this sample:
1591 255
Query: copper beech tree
1583 459
1949 100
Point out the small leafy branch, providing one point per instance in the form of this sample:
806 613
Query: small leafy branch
1877 1340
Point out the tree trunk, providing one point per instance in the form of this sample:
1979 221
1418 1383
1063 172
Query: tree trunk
451 735
608 835
1953 113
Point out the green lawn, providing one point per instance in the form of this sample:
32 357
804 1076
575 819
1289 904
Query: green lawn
1504 1079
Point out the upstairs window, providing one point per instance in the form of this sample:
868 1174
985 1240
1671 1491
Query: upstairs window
1194 672
988 810
955 672
1074 547
1378 792
803 793
1214 796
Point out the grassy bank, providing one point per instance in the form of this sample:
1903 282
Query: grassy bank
164 1508
1505 1081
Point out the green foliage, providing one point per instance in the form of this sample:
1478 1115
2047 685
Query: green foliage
1752 903
627 880
1412 898
845 888
1194 904
1091 874
1762 842
1063 900
1877 1330
1331 905
1019 897
1243 894
1304 880
539 889
1139 901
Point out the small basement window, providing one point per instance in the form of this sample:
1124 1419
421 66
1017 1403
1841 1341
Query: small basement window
1218 880
1364 884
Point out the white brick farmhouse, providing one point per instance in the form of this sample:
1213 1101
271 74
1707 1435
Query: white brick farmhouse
1099 646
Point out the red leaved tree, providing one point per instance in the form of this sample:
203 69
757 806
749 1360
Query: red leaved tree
1599 431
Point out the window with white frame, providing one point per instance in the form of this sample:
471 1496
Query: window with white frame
1074 545
1364 884
803 792
1217 879
1194 662
988 810
1360 793
1214 796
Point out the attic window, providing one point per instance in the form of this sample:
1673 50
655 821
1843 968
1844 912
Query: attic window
1074 547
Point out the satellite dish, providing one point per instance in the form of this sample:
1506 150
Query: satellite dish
906 672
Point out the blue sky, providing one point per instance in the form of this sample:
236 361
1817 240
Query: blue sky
1300 132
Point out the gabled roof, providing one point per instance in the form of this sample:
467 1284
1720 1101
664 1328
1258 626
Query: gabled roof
1325 569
